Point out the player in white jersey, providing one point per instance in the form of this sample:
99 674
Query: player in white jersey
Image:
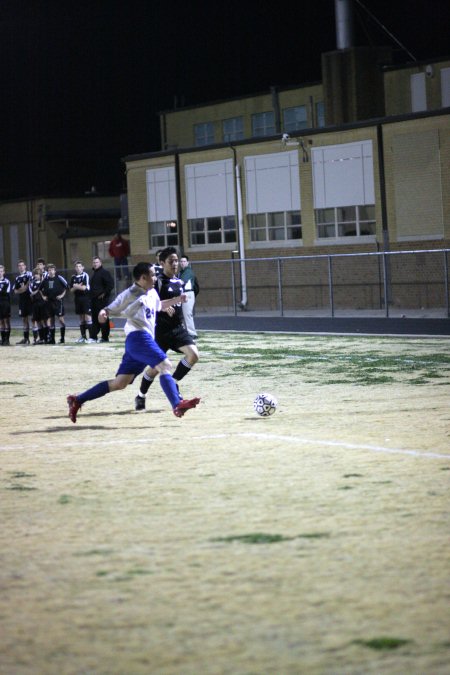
138 304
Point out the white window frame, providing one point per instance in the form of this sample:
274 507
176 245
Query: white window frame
210 195
338 220
162 216
343 178
262 224
202 228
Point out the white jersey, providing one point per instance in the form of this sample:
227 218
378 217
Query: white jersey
139 307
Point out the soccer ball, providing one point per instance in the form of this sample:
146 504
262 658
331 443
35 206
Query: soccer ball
265 404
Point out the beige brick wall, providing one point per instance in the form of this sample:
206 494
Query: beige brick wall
397 87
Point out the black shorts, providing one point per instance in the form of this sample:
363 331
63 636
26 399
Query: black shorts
83 305
173 339
5 309
54 307
25 305
38 311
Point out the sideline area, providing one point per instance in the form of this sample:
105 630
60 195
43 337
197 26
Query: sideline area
347 322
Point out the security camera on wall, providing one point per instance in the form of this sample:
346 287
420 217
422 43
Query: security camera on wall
287 140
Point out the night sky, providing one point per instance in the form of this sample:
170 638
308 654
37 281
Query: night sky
82 82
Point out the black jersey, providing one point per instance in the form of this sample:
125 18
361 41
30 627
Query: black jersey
35 285
23 279
5 290
82 278
169 288
54 286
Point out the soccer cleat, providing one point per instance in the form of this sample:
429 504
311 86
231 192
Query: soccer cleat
90 341
74 407
184 405
100 340
24 341
62 341
139 403
80 340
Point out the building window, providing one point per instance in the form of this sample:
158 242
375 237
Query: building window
295 118
344 191
204 133
278 226
162 207
320 114
263 124
345 221
445 87
163 233
233 129
213 230
418 92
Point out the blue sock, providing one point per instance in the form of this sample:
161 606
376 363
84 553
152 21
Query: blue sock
169 387
97 391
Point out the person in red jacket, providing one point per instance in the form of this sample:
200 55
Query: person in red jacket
119 249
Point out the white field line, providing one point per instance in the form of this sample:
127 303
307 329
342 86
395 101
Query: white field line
334 444
263 437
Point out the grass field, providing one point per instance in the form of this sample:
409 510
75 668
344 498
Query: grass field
314 541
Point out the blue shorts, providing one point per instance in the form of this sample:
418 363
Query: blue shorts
140 350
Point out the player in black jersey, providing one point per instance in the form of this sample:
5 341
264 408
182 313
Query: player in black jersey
40 265
170 330
21 288
5 307
53 289
38 308
80 286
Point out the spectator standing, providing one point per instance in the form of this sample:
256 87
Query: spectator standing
157 264
102 284
5 307
22 289
191 288
119 249
54 288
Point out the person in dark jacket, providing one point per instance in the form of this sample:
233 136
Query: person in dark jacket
102 284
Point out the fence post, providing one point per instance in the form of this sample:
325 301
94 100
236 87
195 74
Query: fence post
447 298
385 286
233 285
330 285
280 287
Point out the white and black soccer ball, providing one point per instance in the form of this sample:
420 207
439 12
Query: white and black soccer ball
265 404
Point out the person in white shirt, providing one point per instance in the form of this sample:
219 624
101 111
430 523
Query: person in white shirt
138 304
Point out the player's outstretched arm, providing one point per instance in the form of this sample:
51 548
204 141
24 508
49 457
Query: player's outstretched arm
170 302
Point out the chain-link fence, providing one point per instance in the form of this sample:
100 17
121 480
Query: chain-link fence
379 283
384 284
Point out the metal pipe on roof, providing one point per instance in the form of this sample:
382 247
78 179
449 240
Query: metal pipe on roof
344 23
